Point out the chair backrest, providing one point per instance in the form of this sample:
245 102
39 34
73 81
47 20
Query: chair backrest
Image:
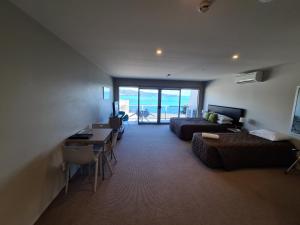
100 125
114 139
125 118
115 122
109 146
121 113
79 154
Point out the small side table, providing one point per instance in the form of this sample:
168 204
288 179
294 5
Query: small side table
294 165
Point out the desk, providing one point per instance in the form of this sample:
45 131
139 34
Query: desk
100 137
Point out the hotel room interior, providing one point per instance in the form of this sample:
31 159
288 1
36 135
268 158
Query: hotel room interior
173 112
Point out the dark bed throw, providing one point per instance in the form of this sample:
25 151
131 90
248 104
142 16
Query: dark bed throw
242 150
185 127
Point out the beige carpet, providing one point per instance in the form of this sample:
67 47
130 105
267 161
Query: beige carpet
158 180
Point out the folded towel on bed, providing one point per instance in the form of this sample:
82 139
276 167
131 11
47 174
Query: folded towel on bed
210 135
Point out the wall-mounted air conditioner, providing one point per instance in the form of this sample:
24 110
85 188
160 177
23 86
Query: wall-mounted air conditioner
244 78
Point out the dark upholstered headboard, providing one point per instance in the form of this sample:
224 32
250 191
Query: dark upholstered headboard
234 113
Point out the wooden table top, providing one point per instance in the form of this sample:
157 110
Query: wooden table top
100 136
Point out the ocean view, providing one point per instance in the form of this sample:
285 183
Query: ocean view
149 102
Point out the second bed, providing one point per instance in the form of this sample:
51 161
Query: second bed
242 150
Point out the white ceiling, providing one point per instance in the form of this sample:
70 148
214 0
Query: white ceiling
121 36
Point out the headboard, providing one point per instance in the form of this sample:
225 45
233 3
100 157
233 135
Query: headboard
234 113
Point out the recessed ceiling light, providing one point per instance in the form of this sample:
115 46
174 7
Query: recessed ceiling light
159 51
235 57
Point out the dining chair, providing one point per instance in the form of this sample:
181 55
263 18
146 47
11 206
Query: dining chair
80 155
109 149
109 146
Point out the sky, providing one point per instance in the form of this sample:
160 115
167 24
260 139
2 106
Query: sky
184 92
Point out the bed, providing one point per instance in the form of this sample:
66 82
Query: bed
185 127
242 150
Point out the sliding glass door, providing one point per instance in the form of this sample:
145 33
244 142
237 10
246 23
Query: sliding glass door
152 105
128 102
189 103
148 105
170 102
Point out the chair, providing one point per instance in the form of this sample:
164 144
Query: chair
124 116
109 149
121 113
143 114
80 155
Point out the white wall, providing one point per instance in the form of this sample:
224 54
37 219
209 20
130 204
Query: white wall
47 92
269 104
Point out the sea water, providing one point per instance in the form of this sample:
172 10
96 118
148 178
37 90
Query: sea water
169 103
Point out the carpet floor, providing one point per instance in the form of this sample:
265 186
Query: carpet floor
158 181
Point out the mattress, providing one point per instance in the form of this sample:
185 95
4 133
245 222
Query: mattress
242 150
185 127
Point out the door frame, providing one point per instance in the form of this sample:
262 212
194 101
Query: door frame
157 109
160 89
179 102
159 97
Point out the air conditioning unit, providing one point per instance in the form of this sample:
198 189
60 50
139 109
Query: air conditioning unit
249 77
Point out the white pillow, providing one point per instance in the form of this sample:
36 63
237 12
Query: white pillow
269 135
224 118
